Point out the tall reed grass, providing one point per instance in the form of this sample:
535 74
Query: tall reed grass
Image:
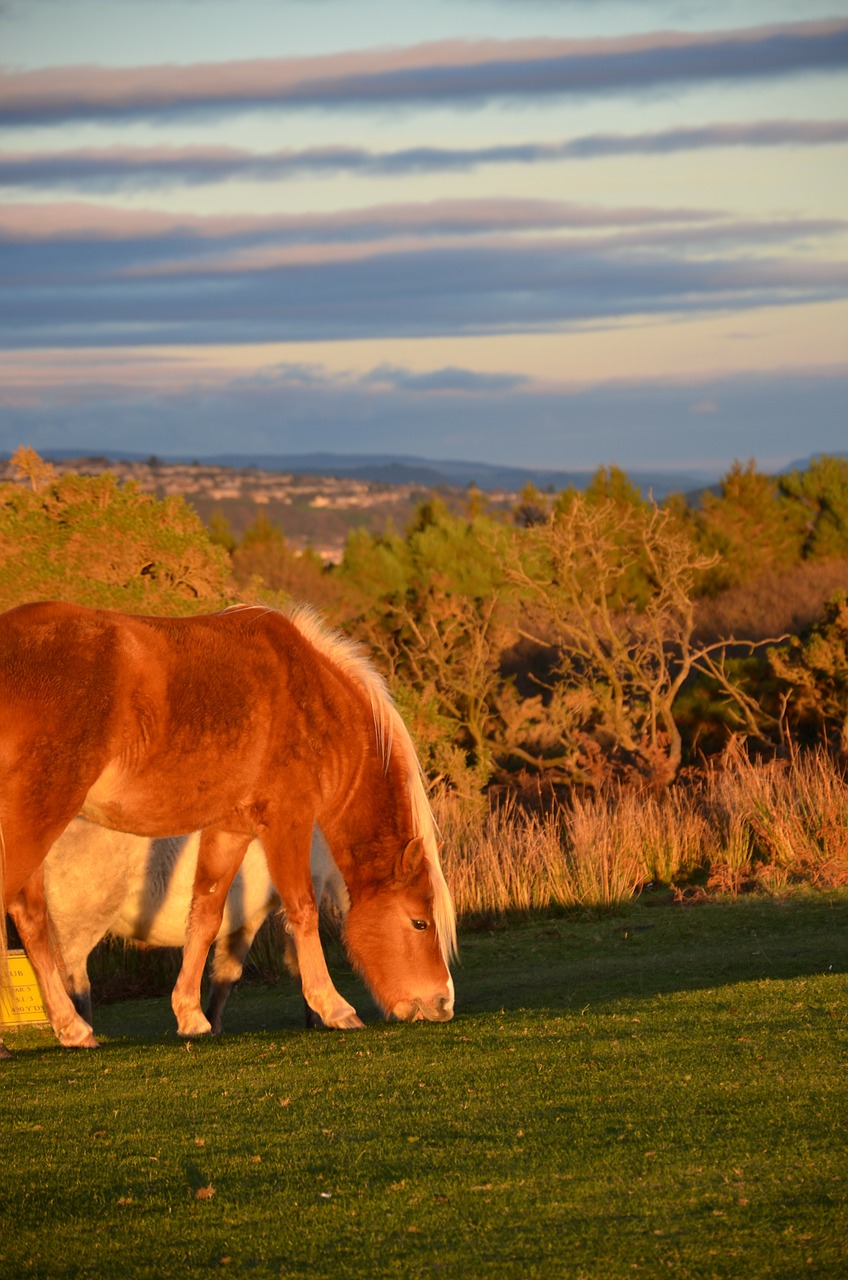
791 820
739 825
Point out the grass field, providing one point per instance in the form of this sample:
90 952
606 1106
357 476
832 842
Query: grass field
659 1092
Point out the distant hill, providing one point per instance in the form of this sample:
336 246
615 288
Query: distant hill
390 469
432 473
803 463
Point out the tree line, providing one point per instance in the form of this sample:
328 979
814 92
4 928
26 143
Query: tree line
583 636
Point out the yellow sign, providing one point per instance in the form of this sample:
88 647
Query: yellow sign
23 1003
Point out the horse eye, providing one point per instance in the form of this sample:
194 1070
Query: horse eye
421 925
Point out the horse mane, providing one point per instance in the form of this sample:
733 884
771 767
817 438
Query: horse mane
392 735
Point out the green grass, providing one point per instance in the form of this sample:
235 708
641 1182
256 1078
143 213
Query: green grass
657 1093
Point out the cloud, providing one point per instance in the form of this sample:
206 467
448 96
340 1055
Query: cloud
704 406
774 417
79 242
88 274
450 379
114 168
81 293
76 221
449 71
763 133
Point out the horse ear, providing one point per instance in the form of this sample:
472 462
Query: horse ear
411 860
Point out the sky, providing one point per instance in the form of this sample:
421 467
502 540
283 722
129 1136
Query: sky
544 233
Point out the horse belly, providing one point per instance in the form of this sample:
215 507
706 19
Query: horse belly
160 802
156 908
157 900
252 891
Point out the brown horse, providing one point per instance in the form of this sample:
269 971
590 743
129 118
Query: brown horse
249 723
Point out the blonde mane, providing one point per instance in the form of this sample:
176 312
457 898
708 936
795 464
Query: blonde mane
392 735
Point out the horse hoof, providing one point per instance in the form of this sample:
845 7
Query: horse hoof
88 1043
194 1030
79 1037
349 1022
4 1052
192 1023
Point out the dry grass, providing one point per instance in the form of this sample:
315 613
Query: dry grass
789 817
740 826
509 860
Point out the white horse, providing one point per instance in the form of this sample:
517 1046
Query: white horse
100 882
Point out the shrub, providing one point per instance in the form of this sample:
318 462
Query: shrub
264 564
820 493
751 527
612 586
90 540
814 672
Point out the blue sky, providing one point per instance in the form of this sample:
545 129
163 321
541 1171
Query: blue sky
552 233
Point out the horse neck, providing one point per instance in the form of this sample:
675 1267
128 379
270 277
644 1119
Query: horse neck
369 823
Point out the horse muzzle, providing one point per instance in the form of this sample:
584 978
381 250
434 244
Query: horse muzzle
436 1009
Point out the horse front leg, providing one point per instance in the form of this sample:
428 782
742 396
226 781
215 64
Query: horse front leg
29 912
326 878
218 859
288 855
312 1021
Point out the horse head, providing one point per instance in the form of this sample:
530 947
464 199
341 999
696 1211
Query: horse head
395 935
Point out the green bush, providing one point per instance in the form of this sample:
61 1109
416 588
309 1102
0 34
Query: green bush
90 540
820 494
813 671
751 526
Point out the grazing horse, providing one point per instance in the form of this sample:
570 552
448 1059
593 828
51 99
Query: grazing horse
100 882
251 723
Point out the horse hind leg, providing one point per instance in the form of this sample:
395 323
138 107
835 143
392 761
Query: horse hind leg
78 986
77 929
29 912
228 965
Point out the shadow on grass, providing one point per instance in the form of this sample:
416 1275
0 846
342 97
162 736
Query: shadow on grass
557 963
654 947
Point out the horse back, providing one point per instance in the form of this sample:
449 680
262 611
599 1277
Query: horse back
159 725
59 670
164 725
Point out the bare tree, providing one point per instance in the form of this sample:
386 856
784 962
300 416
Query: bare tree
444 647
612 587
